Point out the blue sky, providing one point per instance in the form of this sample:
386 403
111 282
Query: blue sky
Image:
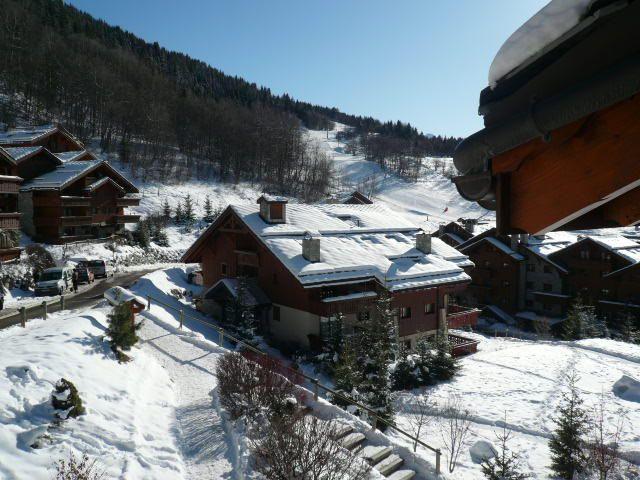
421 61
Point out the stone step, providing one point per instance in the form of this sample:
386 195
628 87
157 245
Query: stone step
342 431
352 440
389 465
375 454
402 475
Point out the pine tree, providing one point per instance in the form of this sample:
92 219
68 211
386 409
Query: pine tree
581 321
566 444
243 311
444 365
122 329
404 374
506 464
166 210
179 215
142 234
628 328
187 210
208 210
348 375
424 361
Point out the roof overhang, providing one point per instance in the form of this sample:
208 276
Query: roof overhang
562 133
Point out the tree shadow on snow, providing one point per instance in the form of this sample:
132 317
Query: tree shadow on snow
203 435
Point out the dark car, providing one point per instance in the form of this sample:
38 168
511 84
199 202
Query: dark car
84 274
97 267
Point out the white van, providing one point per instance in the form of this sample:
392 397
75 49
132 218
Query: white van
54 281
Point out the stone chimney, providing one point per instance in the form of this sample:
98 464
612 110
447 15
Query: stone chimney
470 226
311 248
423 242
273 209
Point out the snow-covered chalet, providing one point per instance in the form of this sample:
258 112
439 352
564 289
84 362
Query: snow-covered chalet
307 263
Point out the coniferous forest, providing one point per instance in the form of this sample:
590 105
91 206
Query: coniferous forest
168 115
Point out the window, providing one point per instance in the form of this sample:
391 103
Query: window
405 312
605 292
547 287
487 263
531 267
584 254
606 256
223 268
276 313
547 269
505 265
429 308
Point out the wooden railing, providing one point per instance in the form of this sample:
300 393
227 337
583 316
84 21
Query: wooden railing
76 220
76 201
127 202
459 316
9 187
126 218
10 220
314 385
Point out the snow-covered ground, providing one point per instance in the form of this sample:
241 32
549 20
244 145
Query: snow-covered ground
523 380
130 419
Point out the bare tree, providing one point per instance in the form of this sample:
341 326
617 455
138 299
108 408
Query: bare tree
81 468
506 463
455 428
304 447
604 441
420 417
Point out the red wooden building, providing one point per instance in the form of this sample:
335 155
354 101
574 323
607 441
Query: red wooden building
78 200
311 262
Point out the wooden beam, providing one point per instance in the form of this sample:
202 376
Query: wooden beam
586 165
621 211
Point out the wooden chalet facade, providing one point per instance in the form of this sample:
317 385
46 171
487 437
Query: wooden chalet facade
79 200
300 258
57 191
561 140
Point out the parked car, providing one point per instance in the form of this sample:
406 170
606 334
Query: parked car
85 275
97 267
54 281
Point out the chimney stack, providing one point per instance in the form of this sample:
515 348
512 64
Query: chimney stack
273 209
311 248
423 242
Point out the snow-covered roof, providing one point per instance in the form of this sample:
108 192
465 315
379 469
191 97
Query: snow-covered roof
535 35
102 181
73 155
273 198
499 245
61 176
19 153
26 134
357 242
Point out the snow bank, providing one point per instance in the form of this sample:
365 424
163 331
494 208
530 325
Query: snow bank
627 388
129 421
481 451
546 26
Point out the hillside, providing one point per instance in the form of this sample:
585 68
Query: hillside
145 102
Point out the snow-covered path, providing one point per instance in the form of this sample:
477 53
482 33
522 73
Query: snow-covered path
204 441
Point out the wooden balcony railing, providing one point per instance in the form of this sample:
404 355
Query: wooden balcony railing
127 218
76 201
462 345
9 186
459 316
10 221
76 220
127 202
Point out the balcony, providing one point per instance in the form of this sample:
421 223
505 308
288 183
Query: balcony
127 202
8 186
459 316
10 221
126 218
75 238
77 220
462 346
68 201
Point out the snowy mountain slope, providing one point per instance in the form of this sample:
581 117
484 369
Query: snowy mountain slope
129 421
432 200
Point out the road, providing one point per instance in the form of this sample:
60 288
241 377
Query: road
85 298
